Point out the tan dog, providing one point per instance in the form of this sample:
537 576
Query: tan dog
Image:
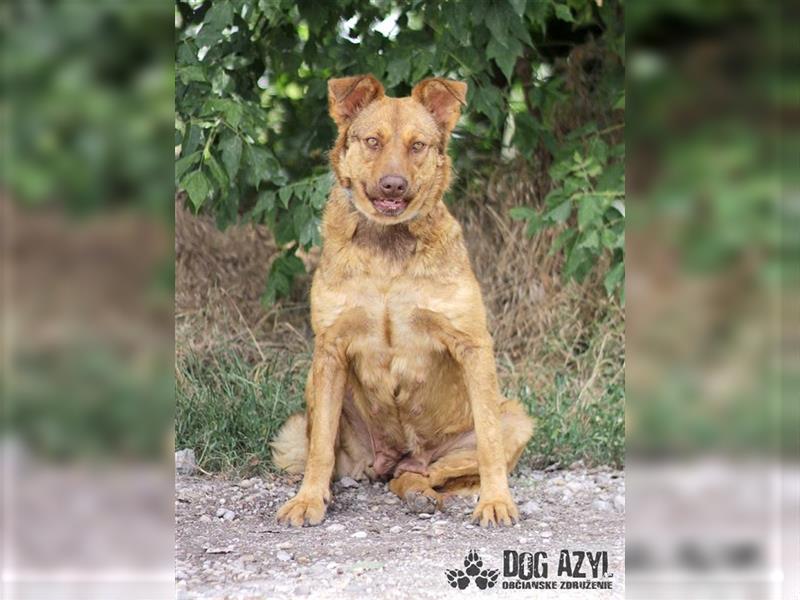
403 383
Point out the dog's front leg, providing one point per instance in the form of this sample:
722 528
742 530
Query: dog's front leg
324 395
473 352
496 506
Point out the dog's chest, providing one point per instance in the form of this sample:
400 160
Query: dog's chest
394 357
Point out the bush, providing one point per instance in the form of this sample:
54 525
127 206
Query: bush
546 86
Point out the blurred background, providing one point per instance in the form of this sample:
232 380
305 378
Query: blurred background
713 485
126 122
87 299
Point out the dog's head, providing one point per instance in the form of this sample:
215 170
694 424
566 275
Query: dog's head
392 152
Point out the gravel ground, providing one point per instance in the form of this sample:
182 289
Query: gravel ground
369 546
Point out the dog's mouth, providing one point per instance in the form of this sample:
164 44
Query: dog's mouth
390 207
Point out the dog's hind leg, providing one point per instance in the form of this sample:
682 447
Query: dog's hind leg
416 491
456 471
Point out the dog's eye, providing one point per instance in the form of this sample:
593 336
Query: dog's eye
373 142
417 146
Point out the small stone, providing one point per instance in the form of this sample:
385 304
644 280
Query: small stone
546 534
335 527
284 545
247 558
619 503
359 534
229 515
221 550
283 556
529 508
220 512
245 483
424 515
395 529
601 505
205 519
348 482
185 462
575 486
391 500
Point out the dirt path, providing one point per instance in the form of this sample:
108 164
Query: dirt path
228 545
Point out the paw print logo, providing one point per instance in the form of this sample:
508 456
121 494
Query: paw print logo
457 578
473 571
473 563
487 578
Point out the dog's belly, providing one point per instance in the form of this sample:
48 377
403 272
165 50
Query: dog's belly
408 393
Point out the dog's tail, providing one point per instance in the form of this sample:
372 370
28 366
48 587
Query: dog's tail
290 446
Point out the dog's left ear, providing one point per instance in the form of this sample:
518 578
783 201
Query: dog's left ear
443 98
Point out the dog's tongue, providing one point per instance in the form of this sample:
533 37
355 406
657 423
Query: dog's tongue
389 204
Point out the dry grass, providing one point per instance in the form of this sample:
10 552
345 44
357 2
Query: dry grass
542 328
219 281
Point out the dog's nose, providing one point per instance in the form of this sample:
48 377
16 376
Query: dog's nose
393 185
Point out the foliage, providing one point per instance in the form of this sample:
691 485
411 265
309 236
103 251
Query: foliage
591 178
89 101
251 97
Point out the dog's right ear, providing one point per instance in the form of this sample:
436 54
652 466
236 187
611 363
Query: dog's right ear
347 96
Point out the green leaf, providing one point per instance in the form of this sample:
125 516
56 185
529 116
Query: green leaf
589 210
263 166
185 163
318 199
534 225
564 13
614 277
397 71
504 54
611 239
523 213
487 100
218 17
231 147
518 6
191 73
560 213
590 241
218 173
233 112
301 217
497 17
285 194
266 203
192 139
281 274
563 240
198 188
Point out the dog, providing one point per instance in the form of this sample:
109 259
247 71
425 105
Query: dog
403 382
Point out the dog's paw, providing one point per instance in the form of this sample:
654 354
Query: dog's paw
457 578
303 509
491 512
419 502
473 563
487 578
